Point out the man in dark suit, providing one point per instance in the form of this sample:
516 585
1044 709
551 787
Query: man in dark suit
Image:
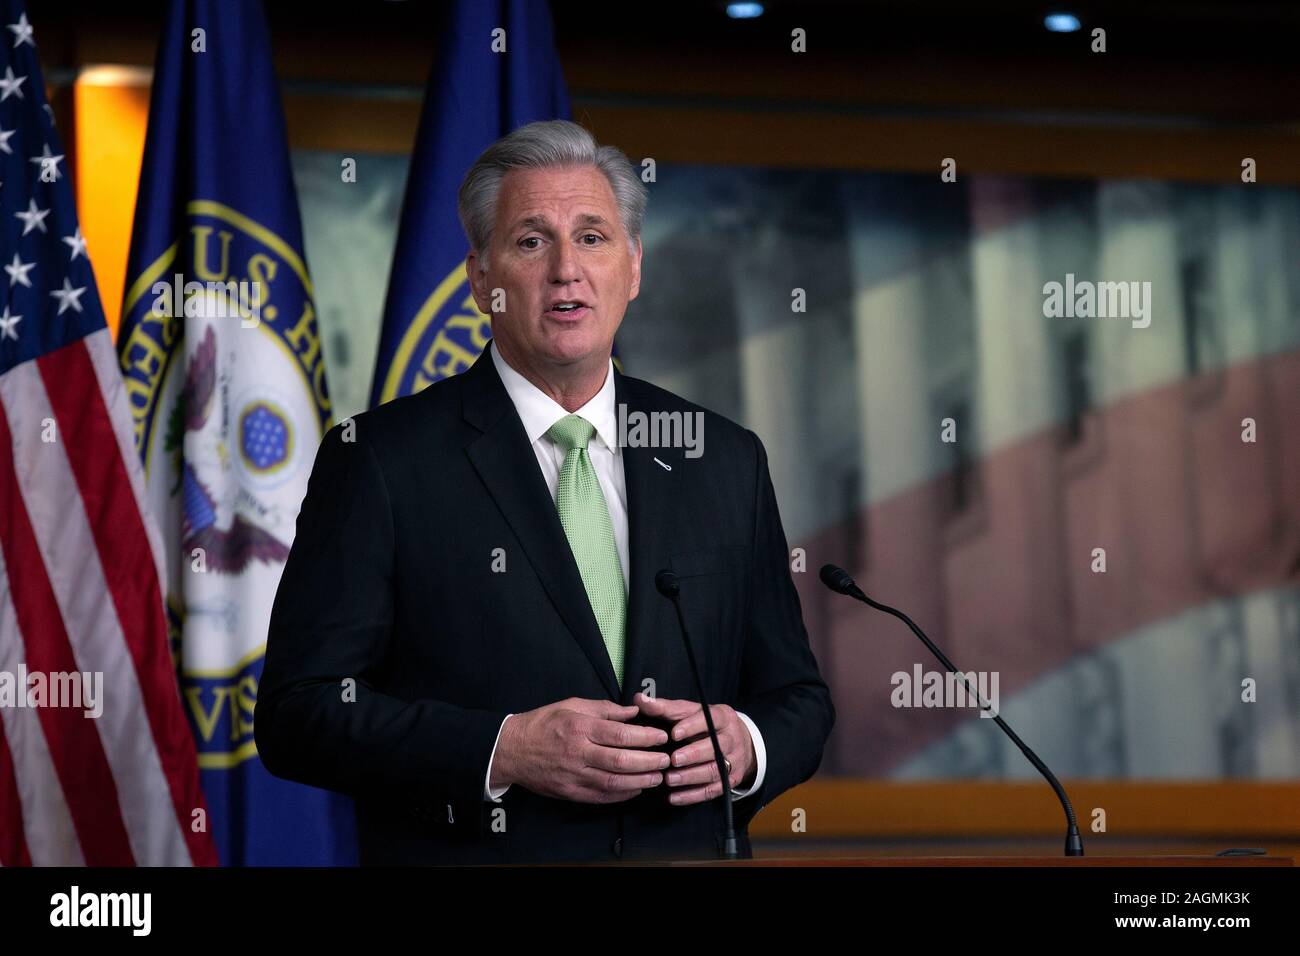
467 636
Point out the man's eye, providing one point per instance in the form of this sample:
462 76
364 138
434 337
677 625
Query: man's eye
592 235
524 242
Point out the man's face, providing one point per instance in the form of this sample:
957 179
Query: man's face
557 239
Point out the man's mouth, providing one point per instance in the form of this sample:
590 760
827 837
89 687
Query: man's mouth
567 309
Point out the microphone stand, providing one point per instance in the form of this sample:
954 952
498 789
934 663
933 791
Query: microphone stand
667 584
840 581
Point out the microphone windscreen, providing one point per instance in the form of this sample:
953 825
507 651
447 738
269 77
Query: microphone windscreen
837 579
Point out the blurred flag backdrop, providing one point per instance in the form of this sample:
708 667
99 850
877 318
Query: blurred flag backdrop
221 353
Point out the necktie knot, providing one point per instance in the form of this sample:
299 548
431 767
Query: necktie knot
571 431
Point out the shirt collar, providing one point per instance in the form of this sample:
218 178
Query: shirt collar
538 411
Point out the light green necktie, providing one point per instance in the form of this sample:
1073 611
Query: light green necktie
591 534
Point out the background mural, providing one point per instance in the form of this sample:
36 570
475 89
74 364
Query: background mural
924 305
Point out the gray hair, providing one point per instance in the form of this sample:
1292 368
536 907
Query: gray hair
536 146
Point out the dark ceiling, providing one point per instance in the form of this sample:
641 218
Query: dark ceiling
1206 31
1166 30
1227 61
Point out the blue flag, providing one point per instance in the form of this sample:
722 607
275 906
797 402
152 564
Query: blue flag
495 69
221 355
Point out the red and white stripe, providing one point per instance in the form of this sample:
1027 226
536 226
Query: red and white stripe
80 590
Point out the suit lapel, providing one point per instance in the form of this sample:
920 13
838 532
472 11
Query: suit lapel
650 496
507 465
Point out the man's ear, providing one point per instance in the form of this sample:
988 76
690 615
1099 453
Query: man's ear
477 282
636 272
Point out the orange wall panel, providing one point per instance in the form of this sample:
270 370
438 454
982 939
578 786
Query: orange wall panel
111 113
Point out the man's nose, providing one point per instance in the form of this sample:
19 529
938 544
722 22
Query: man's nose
564 263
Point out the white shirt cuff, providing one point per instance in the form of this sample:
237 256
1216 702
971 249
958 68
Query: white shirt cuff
488 793
760 757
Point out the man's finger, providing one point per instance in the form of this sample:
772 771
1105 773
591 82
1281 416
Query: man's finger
614 760
681 798
694 724
612 733
612 782
698 775
666 707
606 709
701 751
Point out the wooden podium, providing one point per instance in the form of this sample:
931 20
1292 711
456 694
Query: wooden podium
1005 861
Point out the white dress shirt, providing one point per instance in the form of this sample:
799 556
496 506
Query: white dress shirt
538 411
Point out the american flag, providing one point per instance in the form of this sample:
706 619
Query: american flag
80 567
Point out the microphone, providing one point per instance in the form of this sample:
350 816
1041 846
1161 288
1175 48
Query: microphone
670 587
840 581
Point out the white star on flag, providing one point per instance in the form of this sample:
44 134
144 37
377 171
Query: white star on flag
33 218
22 32
7 323
4 140
76 244
10 84
48 158
68 296
18 272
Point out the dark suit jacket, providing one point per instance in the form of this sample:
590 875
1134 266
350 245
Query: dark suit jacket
390 583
